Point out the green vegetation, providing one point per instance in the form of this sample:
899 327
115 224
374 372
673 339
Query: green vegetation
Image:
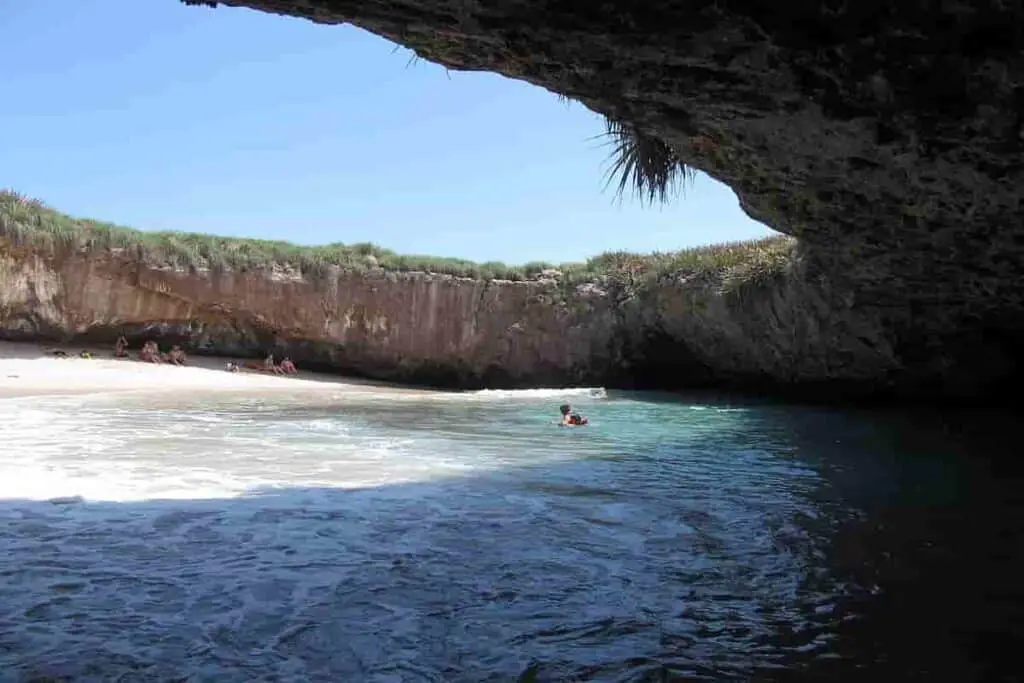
31 224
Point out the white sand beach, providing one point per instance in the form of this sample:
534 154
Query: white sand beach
33 370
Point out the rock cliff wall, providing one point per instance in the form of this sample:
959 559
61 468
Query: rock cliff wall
782 334
436 329
888 137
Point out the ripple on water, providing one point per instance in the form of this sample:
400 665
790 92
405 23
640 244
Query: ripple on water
440 540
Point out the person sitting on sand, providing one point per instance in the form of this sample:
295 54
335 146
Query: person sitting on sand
176 356
84 354
268 365
150 352
121 348
231 366
570 418
288 367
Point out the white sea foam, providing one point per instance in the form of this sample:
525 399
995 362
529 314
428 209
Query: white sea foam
532 394
145 446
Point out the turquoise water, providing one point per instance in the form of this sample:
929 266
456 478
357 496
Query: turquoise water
439 537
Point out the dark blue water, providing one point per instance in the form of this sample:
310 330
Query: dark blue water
467 538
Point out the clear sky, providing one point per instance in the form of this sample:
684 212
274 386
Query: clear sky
161 116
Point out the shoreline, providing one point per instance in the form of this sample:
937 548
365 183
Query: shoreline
31 370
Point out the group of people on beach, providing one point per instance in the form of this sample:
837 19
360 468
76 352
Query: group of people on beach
286 367
150 353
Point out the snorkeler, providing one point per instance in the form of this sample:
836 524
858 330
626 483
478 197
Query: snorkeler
571 418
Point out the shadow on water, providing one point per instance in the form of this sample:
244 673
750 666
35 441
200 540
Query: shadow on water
857 549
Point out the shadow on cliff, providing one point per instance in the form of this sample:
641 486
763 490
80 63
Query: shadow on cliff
486 576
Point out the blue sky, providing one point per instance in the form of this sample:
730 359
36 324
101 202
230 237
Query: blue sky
166 117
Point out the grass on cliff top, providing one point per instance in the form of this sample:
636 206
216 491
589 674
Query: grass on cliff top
30 223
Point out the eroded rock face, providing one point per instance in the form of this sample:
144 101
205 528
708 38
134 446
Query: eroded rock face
436 329
457 332
889 137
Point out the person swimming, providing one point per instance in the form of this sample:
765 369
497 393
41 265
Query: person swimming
571 418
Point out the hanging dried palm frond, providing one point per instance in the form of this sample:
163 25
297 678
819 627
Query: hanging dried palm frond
643 165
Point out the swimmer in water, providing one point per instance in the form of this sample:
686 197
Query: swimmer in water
570 418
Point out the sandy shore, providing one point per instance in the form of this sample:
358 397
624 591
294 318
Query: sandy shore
32 370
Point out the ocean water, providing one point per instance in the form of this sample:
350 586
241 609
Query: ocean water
465 537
